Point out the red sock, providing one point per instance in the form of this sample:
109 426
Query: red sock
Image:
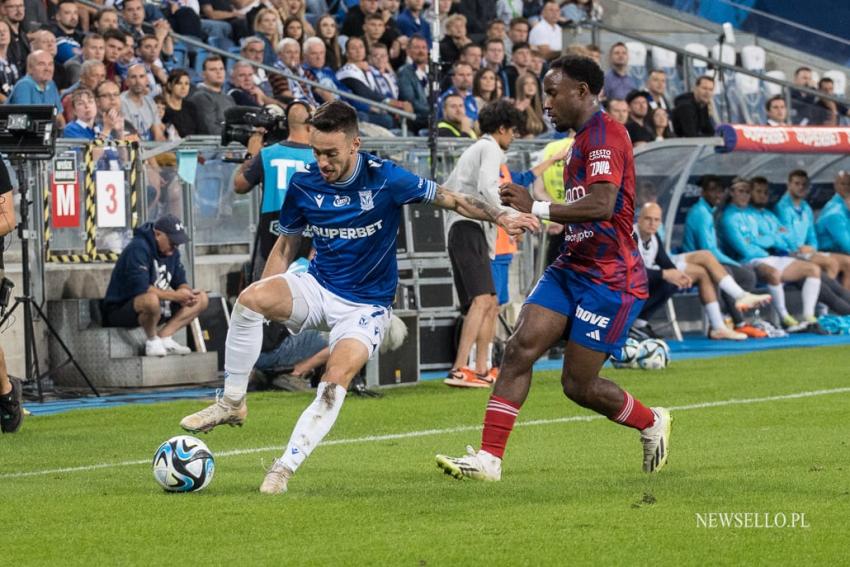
633 413
498 423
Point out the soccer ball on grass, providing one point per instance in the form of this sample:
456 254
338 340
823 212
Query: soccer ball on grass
183 464
654 354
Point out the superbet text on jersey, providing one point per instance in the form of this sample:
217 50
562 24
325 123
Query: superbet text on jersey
603 251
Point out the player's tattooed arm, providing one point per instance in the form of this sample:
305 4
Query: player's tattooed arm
477 209
282 255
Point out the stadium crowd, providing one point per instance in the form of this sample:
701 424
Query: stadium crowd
64 53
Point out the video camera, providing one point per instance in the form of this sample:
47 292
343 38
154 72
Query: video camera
240 123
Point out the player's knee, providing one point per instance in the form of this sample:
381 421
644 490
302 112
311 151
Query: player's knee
520 350
771 276
813 271
703 257
576 387
336 374
252 297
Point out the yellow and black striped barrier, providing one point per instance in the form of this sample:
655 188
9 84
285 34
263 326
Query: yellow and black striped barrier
91 254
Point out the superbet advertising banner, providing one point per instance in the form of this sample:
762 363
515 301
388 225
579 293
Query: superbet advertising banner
784 139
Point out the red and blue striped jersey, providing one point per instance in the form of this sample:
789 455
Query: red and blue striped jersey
605 252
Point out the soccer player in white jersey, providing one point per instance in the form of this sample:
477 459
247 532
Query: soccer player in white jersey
350 202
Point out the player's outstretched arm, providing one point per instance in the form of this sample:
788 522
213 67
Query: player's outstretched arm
282 255
596 205
477 209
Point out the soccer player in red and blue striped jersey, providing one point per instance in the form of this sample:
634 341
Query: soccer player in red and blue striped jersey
591 293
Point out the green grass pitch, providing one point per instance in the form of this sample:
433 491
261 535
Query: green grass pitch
571 493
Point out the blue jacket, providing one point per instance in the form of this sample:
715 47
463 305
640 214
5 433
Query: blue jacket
739 233
408 26
141 266
411 90
833 226
700 233
772 234
800 221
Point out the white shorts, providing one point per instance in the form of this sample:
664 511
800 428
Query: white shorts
679 260
778 263
314 307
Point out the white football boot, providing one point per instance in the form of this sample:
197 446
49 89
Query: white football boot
479 465
656 441
222 412
276 479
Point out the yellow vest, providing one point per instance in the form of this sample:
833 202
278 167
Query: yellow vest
455 132
553 178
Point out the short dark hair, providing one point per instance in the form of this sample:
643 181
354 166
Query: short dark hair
113 33
375 16
824 81
211 59
761 180
494 21
148 37
91 36
518 20
618 44
418 37
469 46
99 14
448 96
494 40
801 69
335 116
496 114
582 69
710 179
124 4
520 45
797 173
771 100
703 78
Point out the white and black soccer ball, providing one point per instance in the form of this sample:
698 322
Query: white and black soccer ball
183 464
654 354
627 356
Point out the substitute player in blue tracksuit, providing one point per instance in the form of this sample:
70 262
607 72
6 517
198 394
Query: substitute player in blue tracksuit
748 238
700 234
833 226
350 202
797 216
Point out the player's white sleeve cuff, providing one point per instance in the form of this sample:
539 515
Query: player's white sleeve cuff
291 231
430 191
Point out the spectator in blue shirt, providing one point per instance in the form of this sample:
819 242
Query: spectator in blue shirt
85 110
37 87
462 86
411 21
315 69
618 82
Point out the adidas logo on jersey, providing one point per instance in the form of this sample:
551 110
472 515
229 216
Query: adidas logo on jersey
594 334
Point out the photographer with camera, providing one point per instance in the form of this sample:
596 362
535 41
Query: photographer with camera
273 166
11 414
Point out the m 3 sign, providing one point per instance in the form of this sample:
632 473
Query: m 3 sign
65 192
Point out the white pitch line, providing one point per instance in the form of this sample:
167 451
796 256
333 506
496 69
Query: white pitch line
430 432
